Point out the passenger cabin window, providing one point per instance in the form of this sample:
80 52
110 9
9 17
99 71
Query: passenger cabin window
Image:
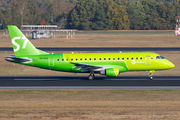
81 59
85 59
127 58
99 58
141 58
136 58
57 59
76 59
113 58
109 58
94 58
122 58
71 59
66 59
89 58
118 58
131 58
62 59
104 58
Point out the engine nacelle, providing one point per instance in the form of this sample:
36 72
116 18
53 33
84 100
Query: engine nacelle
110 72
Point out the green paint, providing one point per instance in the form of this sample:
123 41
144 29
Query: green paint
112 72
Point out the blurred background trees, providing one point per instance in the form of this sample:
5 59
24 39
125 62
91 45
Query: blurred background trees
92 14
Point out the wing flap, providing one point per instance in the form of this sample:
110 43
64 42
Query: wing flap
86 67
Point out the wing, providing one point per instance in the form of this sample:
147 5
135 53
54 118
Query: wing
87 68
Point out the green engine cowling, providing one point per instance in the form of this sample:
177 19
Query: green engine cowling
112 72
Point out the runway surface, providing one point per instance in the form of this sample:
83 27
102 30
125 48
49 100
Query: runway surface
116 49
81 82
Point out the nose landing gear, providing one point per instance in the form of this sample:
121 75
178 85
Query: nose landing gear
151 74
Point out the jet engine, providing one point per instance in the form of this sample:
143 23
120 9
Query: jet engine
110 72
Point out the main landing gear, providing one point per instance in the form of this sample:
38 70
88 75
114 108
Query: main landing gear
91 76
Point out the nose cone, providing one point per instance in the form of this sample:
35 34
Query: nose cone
170 65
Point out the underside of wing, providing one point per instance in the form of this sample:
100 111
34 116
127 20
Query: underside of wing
87 68
103 70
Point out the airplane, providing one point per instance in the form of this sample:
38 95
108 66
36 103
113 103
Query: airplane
109 64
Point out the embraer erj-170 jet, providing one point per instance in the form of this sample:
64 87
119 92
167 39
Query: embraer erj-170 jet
109 64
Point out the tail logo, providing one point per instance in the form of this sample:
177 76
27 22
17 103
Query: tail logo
17 45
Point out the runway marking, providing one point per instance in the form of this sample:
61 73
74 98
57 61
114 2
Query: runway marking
36 79
123 79
84 79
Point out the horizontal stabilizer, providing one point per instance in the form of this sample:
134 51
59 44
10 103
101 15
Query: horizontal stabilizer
16 59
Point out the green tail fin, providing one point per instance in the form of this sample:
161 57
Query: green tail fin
21 45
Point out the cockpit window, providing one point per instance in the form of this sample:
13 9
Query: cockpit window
160 57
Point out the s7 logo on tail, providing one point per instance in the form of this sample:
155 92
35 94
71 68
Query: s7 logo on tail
17 45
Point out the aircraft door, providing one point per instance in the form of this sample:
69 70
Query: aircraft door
51 61
148 60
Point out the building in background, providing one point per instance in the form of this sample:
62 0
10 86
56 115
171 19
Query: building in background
47 31
39 31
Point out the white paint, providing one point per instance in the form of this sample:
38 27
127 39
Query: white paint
16 44
133 62
25 42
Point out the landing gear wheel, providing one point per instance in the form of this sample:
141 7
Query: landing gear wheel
91 77
151 76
